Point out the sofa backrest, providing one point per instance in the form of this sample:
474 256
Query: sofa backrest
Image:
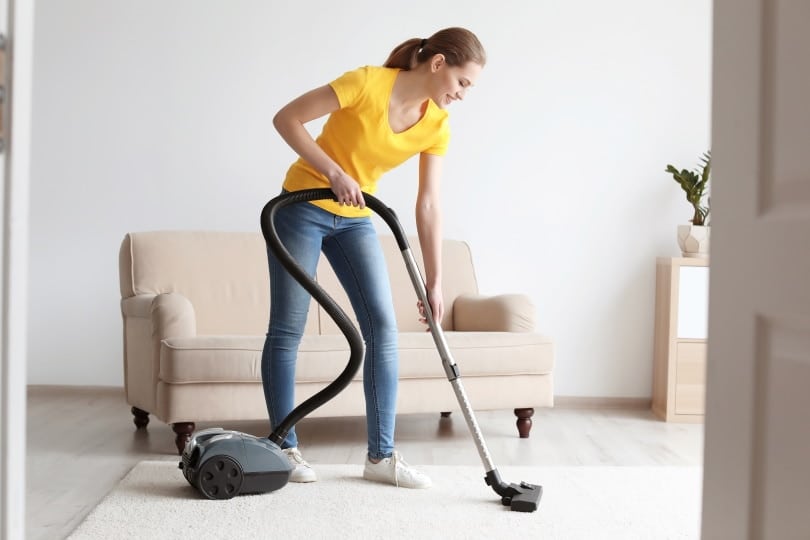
224 275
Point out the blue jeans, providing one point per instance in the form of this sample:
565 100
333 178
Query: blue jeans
352 248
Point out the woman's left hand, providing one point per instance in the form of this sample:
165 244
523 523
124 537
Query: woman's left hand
436 306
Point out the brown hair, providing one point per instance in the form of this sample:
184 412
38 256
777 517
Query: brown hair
458 45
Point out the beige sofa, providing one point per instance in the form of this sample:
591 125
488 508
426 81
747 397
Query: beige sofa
195 309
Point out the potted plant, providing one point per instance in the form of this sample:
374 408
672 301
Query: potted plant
694 238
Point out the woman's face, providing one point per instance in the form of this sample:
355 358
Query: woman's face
451 83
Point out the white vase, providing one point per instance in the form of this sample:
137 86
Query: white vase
694 240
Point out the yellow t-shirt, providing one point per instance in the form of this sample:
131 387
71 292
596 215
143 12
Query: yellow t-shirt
359 137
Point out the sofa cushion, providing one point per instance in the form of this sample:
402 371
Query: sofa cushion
478 354
322 358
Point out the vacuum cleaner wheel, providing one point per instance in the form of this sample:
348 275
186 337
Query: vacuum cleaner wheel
220 477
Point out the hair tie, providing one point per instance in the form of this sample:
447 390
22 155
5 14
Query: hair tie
422 45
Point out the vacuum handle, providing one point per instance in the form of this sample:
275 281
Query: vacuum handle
386 213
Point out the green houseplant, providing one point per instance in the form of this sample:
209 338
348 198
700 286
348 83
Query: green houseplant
695 184
694 238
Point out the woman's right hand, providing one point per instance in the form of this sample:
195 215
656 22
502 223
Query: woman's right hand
347 190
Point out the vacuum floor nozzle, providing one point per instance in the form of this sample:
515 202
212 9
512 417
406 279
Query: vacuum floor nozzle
526 499
523 497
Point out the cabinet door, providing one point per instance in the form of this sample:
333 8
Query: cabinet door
690 378
693 302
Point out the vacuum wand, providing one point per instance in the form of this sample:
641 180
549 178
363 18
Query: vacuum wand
523 497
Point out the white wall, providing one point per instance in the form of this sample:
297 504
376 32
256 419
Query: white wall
157 115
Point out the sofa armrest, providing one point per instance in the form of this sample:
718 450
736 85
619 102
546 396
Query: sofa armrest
148 320
172 315
501 313
136 314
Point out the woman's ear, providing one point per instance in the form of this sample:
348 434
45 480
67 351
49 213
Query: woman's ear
437 62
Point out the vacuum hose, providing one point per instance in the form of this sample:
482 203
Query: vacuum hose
523 497
337 314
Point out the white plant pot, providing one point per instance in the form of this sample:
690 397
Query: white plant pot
694 240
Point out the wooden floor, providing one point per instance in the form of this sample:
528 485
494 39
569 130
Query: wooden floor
81 442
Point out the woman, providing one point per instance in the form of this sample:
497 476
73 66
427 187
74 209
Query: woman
378 118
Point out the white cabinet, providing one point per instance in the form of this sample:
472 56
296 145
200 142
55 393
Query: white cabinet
681 328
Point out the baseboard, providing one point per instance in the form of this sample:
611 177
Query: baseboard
76 388
587 402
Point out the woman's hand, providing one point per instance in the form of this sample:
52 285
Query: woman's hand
347 190
436 306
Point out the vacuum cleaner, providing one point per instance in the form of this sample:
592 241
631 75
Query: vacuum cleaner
221 464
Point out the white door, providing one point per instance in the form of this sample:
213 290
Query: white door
757 459
17 24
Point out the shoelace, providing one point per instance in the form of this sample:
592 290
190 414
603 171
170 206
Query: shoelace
397 460
296 456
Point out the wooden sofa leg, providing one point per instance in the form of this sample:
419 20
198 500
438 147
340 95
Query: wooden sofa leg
183 430
524 422
140 417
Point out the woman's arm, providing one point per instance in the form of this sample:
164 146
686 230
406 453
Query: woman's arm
429 228
289 122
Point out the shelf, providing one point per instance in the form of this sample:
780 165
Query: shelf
681 317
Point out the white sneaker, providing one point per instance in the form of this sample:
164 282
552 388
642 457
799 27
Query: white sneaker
302 472
394 470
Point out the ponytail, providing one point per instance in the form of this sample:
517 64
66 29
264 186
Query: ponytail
458 45
404 55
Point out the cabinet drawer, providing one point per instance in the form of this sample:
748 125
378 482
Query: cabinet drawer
690 378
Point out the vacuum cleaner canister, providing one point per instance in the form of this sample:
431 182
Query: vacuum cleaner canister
221 464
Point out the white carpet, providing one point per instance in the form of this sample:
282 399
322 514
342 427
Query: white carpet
154 501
